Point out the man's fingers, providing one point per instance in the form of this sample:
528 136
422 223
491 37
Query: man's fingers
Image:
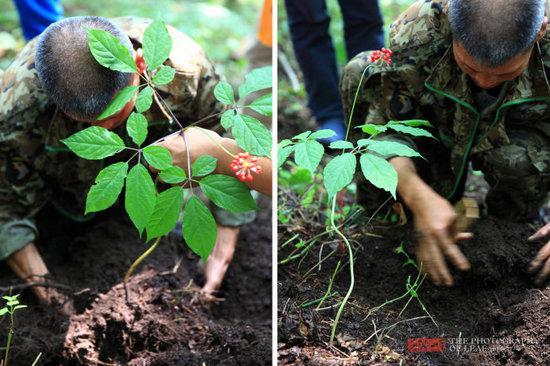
457 258
544 274
542 256
464 236
541 233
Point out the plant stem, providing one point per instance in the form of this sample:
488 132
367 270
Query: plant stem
37 359
140 259
351 273
355 101
329 289
10 335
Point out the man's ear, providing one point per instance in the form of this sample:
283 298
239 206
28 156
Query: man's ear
543 29
140 61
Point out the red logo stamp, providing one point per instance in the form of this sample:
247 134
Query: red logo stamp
426 344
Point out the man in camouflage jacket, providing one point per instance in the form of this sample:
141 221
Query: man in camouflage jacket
461 65
36 168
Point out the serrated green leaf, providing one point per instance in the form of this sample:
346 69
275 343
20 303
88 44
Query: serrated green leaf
156 44
140 197
94 143
379 172
388 148
341 145
173 175
109 51
199 228
166 213
10 298
137 128
308 154
144 99
303 136
228 193
373 130
164 75
263 105
283 153
204 165
257 79
108 185
322 134
413 122
158 157
118 102
410 130
224 93
339 173
284 143
227 119
3 311
251 135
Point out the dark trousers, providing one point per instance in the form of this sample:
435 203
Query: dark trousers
309 21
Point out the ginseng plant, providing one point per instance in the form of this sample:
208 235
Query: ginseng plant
340 170
153 211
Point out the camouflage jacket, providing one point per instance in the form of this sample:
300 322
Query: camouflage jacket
425 82
35 168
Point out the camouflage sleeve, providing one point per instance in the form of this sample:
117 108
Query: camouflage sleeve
19 185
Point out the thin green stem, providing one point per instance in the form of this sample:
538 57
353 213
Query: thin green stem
37 359
351 272
329 289
8 344
140 259
355 101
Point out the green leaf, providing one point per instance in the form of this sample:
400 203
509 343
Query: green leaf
284 143
257 79
19 307
158 157
144 99
341 145
173 175
140 197
227 119
164 75
3 311
199 227
379 172
137 128
109 51
118 102
322 134
156 44
373 130
224 93
108 185
263 105
251 135
413 122
10 298
308 154
204 165
283 153
303 136
94 143
166 213
339 173
228 193
410 130
389 148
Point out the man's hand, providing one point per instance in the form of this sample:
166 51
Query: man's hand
435 225
541 263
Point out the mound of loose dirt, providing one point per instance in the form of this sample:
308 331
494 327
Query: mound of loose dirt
163 323
495 300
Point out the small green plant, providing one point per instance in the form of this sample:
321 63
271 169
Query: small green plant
12 305
338 174
152 212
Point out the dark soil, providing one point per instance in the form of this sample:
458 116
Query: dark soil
165 323
496 299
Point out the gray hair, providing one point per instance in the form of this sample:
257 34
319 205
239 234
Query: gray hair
495 31
68 72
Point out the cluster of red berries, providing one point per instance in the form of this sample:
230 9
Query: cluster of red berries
384 54
243 165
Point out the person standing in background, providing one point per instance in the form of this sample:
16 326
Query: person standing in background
37 15
309 21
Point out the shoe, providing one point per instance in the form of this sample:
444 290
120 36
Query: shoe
337 126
